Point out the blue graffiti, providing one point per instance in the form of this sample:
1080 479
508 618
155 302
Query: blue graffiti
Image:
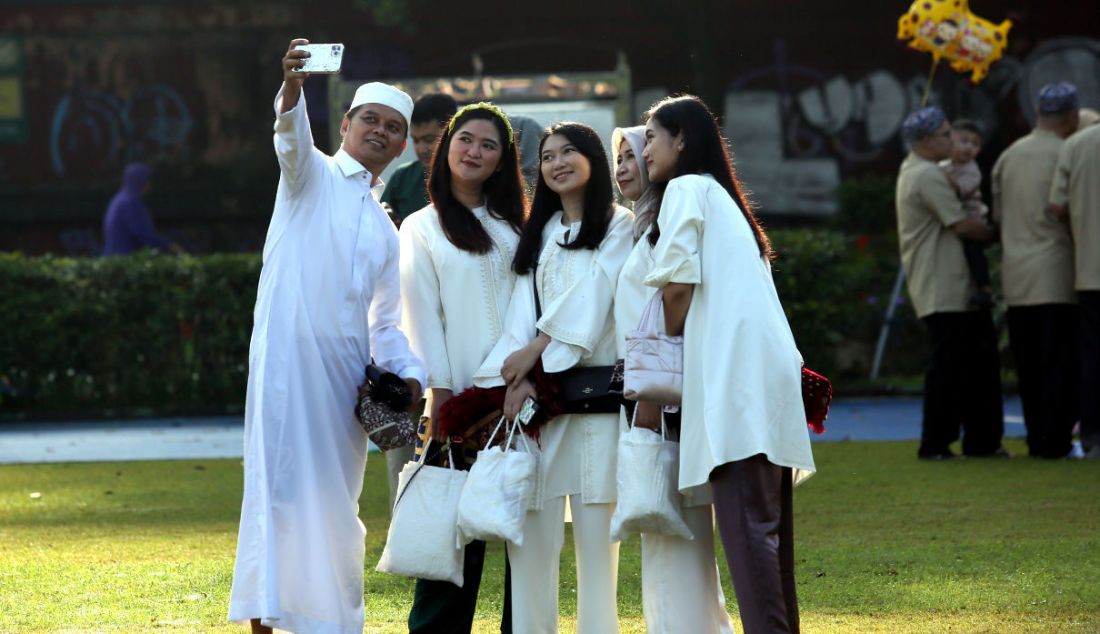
152 124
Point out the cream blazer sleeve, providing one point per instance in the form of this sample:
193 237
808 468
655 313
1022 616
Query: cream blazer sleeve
676 256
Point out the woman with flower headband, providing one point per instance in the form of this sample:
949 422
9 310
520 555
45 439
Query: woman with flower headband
456 282
570 253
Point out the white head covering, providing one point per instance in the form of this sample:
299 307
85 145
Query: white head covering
635 137
644 207
385 94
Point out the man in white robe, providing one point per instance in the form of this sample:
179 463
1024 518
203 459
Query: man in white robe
328 301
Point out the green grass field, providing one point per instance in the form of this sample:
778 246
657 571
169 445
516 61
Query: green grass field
885 543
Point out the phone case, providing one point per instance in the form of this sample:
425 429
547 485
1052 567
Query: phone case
324 59
527 411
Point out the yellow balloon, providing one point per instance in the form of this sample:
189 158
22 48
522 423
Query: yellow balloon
948 30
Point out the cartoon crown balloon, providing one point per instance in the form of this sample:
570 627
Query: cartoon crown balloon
948 30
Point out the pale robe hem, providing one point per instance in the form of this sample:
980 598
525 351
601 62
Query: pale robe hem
287 621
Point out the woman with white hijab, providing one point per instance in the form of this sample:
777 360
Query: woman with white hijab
681 592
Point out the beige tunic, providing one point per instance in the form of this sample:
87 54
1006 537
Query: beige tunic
932 255
1037 250
454 300
1077 182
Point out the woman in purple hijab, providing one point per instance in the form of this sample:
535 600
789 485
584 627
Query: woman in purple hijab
127 226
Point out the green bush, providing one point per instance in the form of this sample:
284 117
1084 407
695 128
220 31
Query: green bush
159 335
835 288
124 335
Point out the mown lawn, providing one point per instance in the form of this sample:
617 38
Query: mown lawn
885 544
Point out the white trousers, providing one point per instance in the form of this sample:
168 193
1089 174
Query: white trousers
681 592
535 569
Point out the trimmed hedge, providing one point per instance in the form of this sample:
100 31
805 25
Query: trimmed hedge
138 335
154 334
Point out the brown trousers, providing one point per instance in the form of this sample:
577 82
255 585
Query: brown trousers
753 507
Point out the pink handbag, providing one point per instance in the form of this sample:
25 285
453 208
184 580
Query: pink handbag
653 366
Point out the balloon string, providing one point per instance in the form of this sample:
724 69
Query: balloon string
928 84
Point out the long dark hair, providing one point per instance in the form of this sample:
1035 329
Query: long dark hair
504 195
705 152
598 198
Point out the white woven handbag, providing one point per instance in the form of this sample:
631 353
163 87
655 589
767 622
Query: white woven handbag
647 472
423 537
653 366
497 493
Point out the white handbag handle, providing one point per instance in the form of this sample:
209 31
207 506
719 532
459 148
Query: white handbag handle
420 465
489 443
522 436
650 322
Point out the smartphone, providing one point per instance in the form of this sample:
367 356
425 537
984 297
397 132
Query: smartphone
324 59
527 411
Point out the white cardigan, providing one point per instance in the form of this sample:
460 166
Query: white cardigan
576 289
742 370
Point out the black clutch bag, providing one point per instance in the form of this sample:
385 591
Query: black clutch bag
587 390
388 388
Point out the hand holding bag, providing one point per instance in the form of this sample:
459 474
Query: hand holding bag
647 472
494 501
653 367
423 537
382 409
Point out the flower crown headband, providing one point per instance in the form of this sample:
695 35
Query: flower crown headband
484 105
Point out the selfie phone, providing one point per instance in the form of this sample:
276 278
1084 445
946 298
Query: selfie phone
324 59
527 411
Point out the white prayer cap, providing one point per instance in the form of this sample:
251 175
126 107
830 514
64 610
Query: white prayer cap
385 94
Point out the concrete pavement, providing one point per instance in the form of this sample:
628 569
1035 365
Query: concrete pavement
221 437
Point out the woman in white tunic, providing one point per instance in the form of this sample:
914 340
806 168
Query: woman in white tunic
681 592
571 250
744 424
456 280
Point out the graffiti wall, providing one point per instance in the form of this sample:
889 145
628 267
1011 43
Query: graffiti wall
798 131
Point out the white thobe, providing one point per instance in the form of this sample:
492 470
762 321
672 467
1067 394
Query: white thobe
328 300
742 370
454 300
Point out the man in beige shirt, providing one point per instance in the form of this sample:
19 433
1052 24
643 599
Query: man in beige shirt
1076 192
1037 275
962 388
